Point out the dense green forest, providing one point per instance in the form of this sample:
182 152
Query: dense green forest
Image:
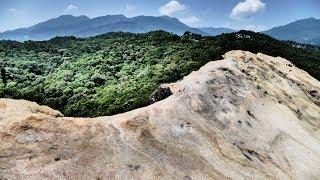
117 72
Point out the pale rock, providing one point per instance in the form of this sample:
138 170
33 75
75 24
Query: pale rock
249 116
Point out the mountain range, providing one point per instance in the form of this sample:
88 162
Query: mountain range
302 31
83 26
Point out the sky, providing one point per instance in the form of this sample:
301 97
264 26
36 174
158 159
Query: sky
257 15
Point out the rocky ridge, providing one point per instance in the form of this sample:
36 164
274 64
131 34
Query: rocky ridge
248 116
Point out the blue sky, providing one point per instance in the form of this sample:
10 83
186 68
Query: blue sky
237 14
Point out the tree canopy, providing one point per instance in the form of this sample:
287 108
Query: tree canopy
117 72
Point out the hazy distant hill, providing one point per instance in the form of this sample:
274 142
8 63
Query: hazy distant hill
61 26
216 31
83 26
142 24
304 31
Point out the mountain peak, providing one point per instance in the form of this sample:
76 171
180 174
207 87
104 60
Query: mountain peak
65 16
121 15
307 20
165 16
168 17
84 16
312 18
114 15
68 16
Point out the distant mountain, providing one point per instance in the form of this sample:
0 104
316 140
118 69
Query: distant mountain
82 26
60 22
142 24
61 26
303 31
216 31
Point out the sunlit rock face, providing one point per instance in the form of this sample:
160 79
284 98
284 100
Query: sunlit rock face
248 116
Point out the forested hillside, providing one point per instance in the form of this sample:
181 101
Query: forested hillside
117 72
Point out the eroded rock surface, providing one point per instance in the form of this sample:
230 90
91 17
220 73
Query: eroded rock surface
247 116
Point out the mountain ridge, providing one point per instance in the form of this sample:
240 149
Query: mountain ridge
303 31
82 26
248 116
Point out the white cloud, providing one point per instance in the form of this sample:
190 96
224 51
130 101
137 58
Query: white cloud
71 7
171 8
190 20
247 9
130 8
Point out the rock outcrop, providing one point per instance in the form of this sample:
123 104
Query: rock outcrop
247 116
160 94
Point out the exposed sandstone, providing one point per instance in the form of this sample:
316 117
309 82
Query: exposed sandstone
247 116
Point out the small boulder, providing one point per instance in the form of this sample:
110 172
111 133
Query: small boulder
160 94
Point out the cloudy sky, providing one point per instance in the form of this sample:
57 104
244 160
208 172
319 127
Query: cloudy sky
237 14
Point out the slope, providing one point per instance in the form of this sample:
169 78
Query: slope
117 72
249 116
304 31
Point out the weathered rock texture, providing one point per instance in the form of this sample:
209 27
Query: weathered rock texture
247 116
